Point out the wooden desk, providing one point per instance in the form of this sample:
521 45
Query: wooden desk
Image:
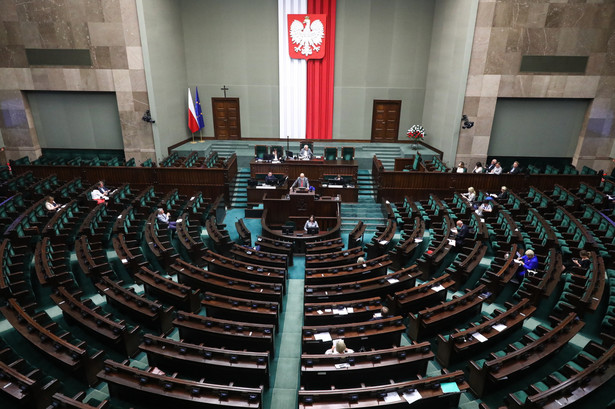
313 169
256 193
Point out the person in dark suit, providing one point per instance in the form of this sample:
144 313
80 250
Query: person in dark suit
270 179
301 181
462 232
492 165
503 194
515 170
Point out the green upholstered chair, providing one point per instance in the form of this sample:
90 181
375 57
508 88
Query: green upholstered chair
260 151
330 153
347 153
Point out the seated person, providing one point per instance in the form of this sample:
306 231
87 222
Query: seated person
98 196
492 165
478 168
310 224
462 232
103 189
471 195
164 219
306 153
338 179
485 207
301 181
461 168
497 169
583 262
51 205
274 156
339 347
529 263
515 169
270 179
503 195
384 313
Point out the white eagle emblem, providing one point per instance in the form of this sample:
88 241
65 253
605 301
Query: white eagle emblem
308 37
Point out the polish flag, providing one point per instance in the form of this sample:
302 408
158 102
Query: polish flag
193 124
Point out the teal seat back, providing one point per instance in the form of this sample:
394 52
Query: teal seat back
330 153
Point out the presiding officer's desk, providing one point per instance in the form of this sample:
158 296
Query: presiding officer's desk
313 169
295 208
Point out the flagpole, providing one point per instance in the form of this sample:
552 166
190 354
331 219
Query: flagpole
201 132
192 141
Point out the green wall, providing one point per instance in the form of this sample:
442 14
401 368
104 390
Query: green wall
165 66
382 48
394 49
449 61
235 43
537 127
76 120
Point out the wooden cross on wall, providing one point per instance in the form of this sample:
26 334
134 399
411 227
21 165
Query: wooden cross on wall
224 88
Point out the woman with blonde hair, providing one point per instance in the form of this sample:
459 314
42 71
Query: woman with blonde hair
471 195
339 347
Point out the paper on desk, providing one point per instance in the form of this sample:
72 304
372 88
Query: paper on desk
323 336
327 309
378 315
124 261
449 387
350 309
383 242
451 242
438 288
499 327
412 396
392 397
340 311
392 280
480 337
417 240
319 312
342 366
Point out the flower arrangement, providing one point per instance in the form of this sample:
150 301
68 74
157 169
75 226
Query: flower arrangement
416 132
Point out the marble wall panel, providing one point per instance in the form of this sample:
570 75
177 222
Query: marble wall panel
108 28
513 28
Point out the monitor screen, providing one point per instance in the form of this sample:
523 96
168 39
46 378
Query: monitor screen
312 230
288 230
272 182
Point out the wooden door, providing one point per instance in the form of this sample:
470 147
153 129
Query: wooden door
226 118
385 120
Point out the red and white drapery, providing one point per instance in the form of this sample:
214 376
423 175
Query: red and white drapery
306 87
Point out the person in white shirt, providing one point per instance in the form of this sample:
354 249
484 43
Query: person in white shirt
461 168
484 207
98 196
478 168
339 348
51 205
470 196
310 223
497 170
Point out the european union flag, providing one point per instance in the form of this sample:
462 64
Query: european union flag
198 112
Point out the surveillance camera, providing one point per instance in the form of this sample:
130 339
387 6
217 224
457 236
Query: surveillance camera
147 117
